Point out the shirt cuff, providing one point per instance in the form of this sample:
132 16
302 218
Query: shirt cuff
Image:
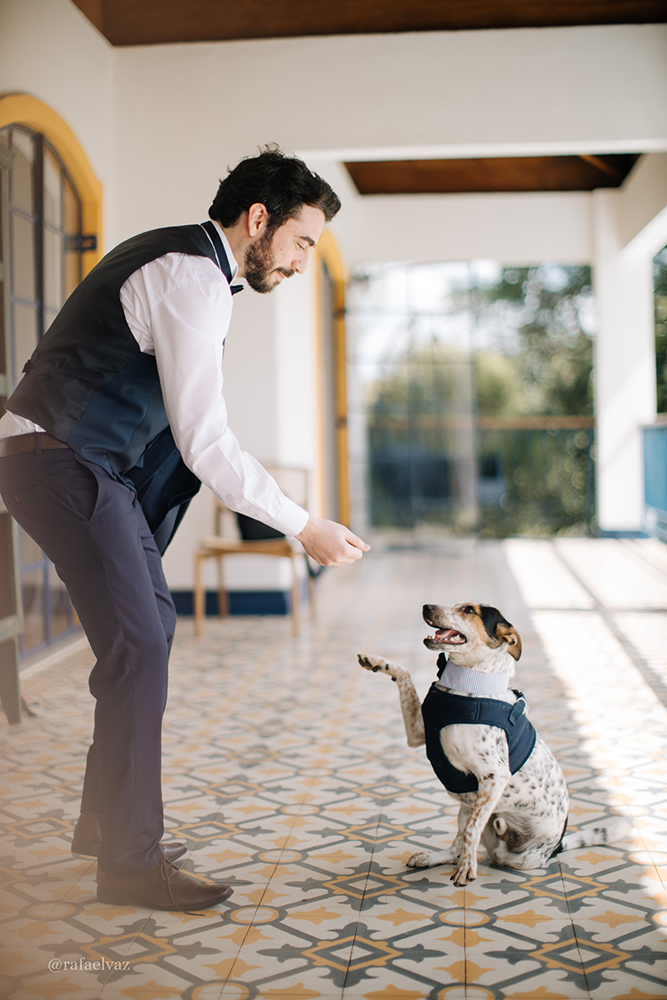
291 520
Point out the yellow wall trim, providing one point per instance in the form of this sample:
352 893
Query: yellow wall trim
22 109
329 254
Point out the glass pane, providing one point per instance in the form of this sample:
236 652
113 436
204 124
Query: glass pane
30 550
21 187
33 609
60 604
71 220
23 257
52 190
49 316
53 269
72 225
3 357
72 272
4 193
25 331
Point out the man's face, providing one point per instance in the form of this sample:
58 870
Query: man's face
284 251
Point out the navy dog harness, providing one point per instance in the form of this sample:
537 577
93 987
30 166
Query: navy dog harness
441 709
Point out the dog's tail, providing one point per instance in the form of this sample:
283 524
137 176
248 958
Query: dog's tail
616 828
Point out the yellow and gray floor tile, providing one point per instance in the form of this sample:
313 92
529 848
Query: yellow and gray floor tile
287 772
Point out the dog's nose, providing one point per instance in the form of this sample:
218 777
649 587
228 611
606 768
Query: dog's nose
428 610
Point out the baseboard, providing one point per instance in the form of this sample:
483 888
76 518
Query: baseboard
622 534
241 602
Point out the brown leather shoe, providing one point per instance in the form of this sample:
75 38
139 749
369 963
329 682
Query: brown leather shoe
87 839
163 887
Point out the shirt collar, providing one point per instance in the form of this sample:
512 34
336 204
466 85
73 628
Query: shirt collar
233 263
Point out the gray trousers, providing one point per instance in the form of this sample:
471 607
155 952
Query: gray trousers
93 529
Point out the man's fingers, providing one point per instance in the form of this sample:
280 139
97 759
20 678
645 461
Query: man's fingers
357 542
353 551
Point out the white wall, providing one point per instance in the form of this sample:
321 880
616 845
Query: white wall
297 373
186 111
510 228
643 219
630 226
50 51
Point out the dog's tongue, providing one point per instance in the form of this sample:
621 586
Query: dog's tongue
449 635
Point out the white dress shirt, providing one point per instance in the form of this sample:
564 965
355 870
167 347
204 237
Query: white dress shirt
178 308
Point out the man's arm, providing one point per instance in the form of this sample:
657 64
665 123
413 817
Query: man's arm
185 326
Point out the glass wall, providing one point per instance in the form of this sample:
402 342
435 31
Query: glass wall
470 398
660 292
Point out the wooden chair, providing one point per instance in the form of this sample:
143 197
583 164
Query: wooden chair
295 483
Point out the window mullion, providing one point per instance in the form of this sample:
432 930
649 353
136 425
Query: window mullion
38 175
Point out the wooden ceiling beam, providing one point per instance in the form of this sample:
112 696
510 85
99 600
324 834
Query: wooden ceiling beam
601 164
497 174
149 22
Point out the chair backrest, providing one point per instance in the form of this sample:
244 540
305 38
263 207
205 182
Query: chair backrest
294 482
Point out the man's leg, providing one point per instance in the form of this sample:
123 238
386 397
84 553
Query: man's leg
94 531
90 799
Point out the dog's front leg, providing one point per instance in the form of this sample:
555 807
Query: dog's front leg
410 704
427 859
491 788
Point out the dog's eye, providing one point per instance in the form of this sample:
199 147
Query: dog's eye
469 610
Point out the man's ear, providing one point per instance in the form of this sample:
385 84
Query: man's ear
258 218
510 635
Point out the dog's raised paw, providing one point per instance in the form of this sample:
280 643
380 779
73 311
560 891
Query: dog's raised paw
422 859
374 663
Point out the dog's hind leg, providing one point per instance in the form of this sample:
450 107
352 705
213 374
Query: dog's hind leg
410 703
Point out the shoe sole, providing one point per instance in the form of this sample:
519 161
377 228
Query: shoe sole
126 899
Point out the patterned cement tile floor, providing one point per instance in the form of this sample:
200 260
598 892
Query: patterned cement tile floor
286 769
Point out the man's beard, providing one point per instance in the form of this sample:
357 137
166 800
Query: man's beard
258 264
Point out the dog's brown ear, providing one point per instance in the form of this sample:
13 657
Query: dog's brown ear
510 635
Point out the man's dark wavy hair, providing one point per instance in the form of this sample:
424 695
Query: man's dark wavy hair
283 184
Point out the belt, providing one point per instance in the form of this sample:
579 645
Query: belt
24 443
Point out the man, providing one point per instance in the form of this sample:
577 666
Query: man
118 418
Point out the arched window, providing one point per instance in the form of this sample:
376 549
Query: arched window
45 248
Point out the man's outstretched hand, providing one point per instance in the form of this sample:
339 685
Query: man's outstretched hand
331 544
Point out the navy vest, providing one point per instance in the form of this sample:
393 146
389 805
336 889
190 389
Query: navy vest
441 709
89 385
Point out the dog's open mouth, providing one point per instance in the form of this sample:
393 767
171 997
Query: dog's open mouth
448 637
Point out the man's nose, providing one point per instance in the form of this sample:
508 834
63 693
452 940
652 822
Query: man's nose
300 262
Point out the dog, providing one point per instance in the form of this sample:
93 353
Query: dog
513 794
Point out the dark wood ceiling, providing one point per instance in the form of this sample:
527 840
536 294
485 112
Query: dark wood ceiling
151 22
511 173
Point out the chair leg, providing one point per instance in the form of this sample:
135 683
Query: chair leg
199 594
223 593
294 601
312 596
